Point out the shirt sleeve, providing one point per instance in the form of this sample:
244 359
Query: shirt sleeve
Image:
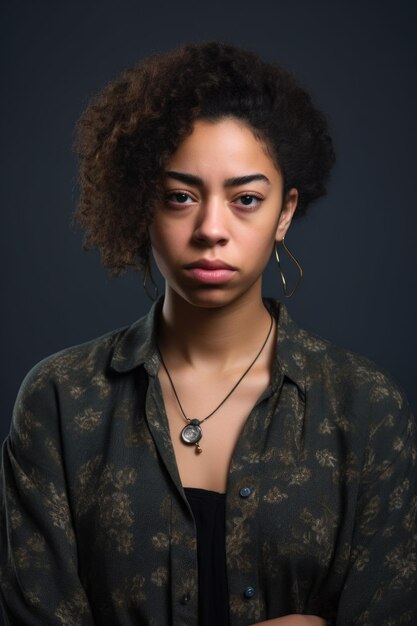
39 582
381 585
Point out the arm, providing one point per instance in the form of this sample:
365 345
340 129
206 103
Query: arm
381 574
294 620
39 583
381 582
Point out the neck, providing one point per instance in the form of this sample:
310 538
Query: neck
212 337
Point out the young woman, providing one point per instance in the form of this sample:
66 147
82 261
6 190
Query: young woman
212 463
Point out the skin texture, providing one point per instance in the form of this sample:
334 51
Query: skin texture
211 221
207 333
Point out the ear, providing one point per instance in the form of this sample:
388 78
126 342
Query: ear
288 208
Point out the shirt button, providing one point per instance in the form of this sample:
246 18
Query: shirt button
249 592
185 598
245 492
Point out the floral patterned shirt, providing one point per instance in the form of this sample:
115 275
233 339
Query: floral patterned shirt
321 499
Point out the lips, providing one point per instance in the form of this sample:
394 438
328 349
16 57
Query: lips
209 271
208 264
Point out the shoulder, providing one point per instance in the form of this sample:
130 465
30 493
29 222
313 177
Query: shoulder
360 396
340 365
81 361
349 394
80 371
354 375
350 381
69 380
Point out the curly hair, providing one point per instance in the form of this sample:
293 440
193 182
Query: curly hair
129 130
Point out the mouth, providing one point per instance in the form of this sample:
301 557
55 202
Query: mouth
208 264
207 271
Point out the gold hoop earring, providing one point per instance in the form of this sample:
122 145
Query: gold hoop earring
147 272
300 269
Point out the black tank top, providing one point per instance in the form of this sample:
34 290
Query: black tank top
208 508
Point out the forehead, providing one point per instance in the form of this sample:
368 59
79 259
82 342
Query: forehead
227 146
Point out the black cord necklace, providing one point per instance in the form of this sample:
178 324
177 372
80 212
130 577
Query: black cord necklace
192 433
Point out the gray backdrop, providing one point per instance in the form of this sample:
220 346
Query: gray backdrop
357 246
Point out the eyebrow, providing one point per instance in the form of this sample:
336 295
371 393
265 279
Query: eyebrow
190 179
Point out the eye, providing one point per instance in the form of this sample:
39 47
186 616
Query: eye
178 197
249 200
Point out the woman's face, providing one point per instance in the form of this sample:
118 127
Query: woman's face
213 234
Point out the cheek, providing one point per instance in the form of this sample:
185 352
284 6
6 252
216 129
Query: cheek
159 235
167 240
260 242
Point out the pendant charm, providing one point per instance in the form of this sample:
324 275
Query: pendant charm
192 433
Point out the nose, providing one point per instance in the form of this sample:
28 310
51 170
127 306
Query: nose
211 225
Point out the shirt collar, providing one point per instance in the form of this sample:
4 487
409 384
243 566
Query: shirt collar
289 344
137 345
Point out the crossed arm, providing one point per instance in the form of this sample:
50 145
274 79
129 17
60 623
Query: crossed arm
294 620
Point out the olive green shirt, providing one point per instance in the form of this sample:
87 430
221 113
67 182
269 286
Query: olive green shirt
321 499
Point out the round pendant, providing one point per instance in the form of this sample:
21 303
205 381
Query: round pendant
192 432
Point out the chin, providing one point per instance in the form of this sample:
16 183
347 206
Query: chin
207 299
211 297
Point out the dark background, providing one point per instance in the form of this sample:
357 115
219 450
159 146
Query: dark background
357 246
